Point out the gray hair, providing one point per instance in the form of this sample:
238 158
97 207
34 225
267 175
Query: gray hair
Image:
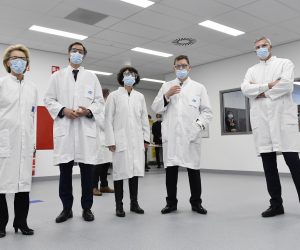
263 38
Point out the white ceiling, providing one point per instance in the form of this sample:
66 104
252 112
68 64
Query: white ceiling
155 27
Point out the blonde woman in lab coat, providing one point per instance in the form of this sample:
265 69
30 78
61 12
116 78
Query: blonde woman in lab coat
18 100
127 135
274 121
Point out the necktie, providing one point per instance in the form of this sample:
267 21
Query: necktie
75 72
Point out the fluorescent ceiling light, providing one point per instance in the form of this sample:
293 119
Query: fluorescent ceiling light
221 28
57 32
100 73
151 52
297 83
152 80
140 3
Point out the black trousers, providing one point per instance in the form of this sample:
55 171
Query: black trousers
171 183
21 208
133 184
100 171
272 177
158 152
66 188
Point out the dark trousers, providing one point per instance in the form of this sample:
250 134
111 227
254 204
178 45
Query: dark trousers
272 177
133 191
66 188
171 183
158 151
21 207
100 171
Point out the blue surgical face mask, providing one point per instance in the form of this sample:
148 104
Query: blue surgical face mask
262 53
18 66
76 58
129 80
182 73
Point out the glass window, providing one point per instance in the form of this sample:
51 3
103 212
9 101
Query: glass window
234 112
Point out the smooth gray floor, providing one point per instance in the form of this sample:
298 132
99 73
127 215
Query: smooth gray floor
234 204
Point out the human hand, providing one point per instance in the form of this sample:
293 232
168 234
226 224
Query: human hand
70 113
172 91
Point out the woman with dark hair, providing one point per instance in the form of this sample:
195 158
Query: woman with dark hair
127 135
105 157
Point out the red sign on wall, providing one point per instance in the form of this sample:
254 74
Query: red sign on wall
44 130
54 69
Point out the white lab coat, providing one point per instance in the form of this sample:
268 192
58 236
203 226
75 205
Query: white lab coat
104 155
17 111
74 139
127 127
181 135
273 119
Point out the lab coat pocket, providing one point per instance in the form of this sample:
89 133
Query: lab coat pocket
254 120
195 101
120 139
195 133
59 131
289 117
4 143
89 93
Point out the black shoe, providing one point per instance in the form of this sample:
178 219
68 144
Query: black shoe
25 230
199 209
134 207
120 212
88 215
273 211
64 215
2 233
168 209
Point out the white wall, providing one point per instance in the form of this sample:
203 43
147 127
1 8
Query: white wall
233 152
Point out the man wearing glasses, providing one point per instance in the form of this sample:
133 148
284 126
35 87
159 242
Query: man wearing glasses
274 121
74 100
186 111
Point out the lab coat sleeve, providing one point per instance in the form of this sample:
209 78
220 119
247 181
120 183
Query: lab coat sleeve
286 82
252 90
145 121
100 121
205 109
97 106
50 98
109 119
158 105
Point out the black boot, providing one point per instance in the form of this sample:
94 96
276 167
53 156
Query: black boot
21 207
118 186
133 190
273 211
3 215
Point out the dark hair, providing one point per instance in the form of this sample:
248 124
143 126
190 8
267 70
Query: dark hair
130 69
178 58
105 92
77 43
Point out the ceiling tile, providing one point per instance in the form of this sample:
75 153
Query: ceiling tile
276 12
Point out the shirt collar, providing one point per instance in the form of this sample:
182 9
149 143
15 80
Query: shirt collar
272 58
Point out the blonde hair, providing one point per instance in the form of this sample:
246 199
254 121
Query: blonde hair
263 38
12 48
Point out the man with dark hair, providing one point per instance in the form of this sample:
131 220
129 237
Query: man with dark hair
269 86
185 115
74 100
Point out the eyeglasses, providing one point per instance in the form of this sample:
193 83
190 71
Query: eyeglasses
80 51
181 66
265 45
19 57
127 73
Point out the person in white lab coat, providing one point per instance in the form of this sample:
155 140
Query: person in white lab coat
186 111
273 116
74 100
18 100
127 134
105 158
